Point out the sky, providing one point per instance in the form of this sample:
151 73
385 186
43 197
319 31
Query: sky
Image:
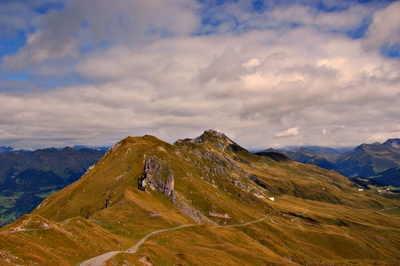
268 74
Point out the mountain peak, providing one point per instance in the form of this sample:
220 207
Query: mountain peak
215 138
395 143
213 135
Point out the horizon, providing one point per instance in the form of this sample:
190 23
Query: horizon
257 149
266 73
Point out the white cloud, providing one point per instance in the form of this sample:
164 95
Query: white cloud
251 63
345 20
385 28
62 35
149 72
291 132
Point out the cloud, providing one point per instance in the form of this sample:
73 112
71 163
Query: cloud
132 68
384 32
18 15
345 20
291 132
63 36
251 63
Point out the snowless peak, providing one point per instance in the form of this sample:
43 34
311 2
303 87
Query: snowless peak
211 135
395 143
216 138
216 133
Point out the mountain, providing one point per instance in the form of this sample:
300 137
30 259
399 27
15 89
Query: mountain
369 159
26 178
366 160
205 201
79 147
323 157
5 149
274 155
390 177
318 149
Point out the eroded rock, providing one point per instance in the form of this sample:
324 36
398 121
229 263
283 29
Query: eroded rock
158 176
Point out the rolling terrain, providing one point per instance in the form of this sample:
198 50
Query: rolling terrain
205 201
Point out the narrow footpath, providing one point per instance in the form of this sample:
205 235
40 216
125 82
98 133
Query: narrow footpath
101 259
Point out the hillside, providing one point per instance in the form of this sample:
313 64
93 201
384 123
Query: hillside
369 159
26 178
390 177
205 201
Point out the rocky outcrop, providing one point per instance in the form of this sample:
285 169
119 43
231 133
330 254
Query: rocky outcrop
157 175
219 215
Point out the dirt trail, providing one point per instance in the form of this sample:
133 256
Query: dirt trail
244 224
101 259
138 244
26 230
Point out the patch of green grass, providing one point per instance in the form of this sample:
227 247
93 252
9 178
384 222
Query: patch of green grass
45 194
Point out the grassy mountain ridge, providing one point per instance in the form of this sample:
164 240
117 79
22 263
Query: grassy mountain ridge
205 201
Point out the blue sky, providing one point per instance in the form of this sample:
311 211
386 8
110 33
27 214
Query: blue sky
267 73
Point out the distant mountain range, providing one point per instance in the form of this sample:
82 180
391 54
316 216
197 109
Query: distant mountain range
27 177
379 162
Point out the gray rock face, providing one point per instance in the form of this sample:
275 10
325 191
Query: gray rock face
158 176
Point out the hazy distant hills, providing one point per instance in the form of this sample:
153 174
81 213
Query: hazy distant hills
205 201
366 160
27 177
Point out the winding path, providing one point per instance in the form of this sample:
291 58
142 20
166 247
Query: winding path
101 259
244 224
138 244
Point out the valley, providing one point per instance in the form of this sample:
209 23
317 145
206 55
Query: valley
28 177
